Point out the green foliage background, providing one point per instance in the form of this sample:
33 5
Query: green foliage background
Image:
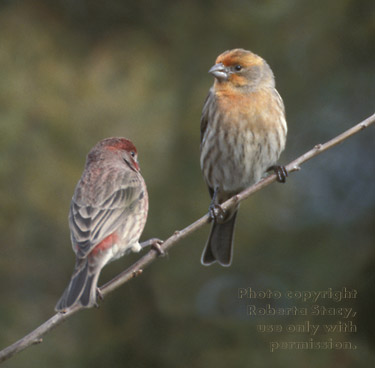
74 72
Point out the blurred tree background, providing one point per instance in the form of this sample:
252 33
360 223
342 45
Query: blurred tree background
75 71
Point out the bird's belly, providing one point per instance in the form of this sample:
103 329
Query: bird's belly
120 249
129 235
233 162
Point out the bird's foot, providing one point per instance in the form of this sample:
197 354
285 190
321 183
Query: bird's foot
155 244
217 213
280 171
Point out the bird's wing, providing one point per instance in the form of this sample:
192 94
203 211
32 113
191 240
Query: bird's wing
90 224
207 106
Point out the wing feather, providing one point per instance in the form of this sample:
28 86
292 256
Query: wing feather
91 223
206 112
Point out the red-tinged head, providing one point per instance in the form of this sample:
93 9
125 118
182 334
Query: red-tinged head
115 148
240 68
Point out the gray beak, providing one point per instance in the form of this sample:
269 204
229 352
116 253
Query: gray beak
219 71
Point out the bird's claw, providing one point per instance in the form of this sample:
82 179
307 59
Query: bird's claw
217 213
281 173
155 244
157 247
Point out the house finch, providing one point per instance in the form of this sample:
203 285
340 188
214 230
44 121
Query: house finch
107 215
243 132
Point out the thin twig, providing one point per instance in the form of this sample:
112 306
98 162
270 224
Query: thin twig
136 269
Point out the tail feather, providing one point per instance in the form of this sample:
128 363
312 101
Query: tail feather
219 247
81 289
88 296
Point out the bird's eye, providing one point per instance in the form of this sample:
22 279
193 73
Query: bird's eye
132 154
238 67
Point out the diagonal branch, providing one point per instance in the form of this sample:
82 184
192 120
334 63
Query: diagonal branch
35 336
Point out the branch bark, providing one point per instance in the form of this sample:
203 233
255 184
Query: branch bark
136 269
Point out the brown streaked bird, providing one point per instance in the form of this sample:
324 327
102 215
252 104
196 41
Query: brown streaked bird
243 132
107 215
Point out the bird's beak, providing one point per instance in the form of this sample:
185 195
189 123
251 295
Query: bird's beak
219 71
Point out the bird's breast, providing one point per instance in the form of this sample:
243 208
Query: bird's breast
243 138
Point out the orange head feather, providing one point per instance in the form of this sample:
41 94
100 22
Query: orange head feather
239 68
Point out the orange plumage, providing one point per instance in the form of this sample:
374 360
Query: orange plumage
243 132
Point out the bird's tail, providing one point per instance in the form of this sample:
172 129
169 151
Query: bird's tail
82 287
219 246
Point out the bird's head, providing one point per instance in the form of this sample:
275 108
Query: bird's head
115 148
241 69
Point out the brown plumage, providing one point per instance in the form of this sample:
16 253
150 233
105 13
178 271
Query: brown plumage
107 215
243 132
